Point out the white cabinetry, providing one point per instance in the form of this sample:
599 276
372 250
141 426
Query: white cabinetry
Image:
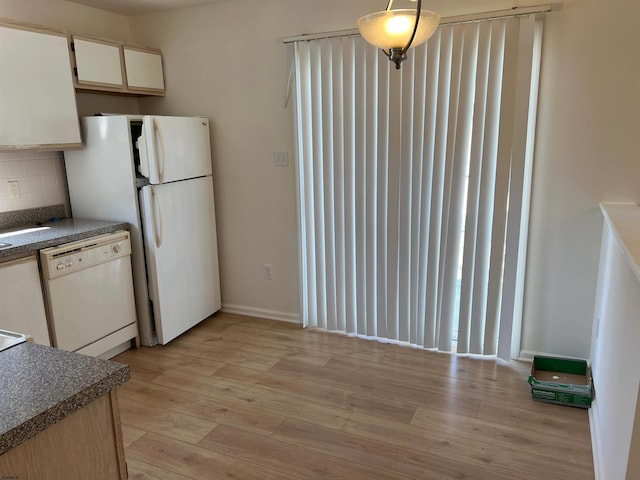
21 299
98 63
37 97
103 65
144 70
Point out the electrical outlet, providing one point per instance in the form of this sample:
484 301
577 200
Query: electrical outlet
281 158
14 189
267 273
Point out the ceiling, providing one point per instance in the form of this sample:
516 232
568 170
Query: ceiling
139 7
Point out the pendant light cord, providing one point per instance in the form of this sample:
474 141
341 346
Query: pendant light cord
415 26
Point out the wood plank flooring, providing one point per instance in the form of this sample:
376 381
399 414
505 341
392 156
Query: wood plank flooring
245 398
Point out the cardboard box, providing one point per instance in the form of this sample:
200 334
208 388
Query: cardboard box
561 380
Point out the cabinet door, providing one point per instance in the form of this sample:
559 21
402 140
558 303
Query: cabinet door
98 63
21 299
144 70
37 97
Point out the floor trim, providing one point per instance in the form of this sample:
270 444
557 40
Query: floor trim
261 313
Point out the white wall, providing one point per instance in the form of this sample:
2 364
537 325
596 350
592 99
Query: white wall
586 152
40 176
63 15
615 358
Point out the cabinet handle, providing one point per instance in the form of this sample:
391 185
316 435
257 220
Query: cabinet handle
156 215
159 164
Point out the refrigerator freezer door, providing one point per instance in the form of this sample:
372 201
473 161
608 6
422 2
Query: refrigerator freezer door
182 254
174 148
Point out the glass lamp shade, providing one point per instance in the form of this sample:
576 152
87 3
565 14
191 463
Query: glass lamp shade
393 28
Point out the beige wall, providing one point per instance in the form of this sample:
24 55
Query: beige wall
225 61
67 16
586 153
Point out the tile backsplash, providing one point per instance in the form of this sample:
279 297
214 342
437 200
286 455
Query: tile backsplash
41 179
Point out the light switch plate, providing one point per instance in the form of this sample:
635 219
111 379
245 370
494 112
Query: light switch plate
281 158
14 189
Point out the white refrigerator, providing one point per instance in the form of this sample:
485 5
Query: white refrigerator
155 173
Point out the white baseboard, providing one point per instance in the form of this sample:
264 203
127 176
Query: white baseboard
595 444
527 355
261 313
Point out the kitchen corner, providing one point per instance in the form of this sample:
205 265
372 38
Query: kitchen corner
60 408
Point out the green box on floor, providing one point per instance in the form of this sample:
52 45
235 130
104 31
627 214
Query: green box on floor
561 380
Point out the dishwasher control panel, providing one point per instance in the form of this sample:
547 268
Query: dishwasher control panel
71 257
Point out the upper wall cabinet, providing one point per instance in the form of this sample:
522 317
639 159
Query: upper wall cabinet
98 63
102 65
37 98
144 70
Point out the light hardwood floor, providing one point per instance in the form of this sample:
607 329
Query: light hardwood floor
245 398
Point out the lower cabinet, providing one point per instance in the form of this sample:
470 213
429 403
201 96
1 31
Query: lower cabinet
85 445
21 299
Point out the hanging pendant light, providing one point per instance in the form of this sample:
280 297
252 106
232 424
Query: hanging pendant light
396 31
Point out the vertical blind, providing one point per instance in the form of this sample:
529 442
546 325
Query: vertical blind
412 183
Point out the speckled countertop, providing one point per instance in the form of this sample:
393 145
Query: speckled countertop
41 385
54 233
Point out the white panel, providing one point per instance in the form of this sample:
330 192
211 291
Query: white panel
521 133
175 148
429 256
616 367
349 114
526 195
405 183
144 69
467 49
476 167
382 192
615 358
182 255
328 168
89 304
441 183
487 189
305 184
505 143
98 62
37 97
317 164
360 187
372 96
418 190
21 300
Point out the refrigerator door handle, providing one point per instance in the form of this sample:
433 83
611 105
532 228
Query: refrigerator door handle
157 131
156 216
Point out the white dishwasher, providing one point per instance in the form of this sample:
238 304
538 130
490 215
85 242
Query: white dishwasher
89 295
